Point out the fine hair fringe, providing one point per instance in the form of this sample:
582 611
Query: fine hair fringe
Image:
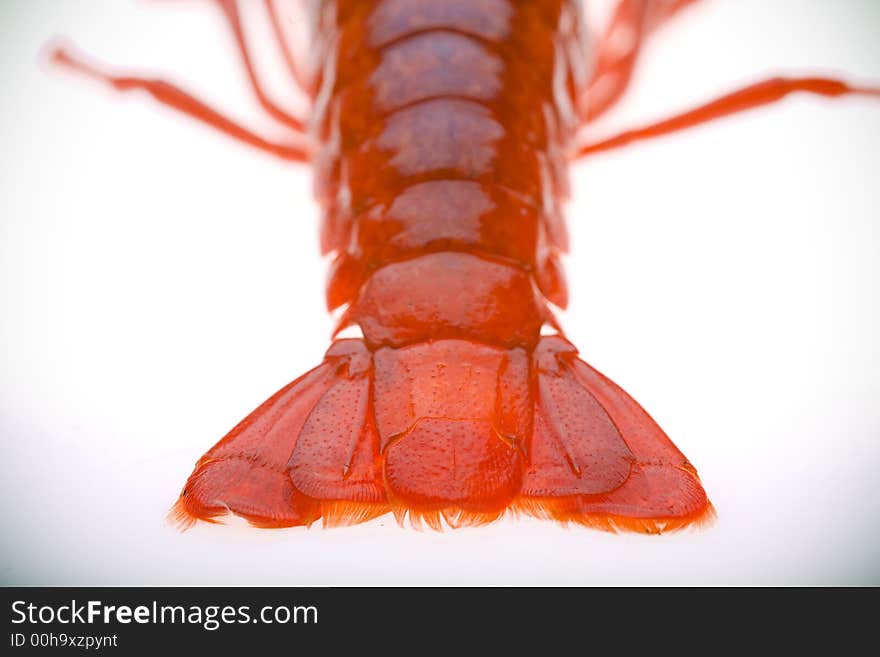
564 510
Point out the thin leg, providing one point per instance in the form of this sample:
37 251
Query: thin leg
289 59
230 12
765 92
172 96
632 22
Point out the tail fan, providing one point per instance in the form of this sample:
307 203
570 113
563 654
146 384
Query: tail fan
450 431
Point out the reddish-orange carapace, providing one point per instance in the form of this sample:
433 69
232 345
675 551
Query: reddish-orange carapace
441 132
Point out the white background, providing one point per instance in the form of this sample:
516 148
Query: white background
159 281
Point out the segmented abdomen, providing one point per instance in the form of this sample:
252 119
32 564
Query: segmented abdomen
443 125
441 168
